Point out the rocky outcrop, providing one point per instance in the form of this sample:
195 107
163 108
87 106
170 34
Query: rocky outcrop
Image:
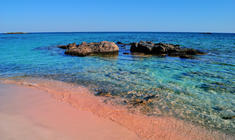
69 46
142 47
86 49
164 49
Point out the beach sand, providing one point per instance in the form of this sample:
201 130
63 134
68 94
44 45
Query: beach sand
47 109
31 114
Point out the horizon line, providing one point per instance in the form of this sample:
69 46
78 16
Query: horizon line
118 32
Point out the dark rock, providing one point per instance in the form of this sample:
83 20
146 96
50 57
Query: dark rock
121 43
138 102
189 51
125 53
228 117
217 108
164 49
69 46
85 49
187 56
104 94
63 46
144 101
149 97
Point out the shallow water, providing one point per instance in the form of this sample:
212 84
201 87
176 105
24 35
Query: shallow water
200 90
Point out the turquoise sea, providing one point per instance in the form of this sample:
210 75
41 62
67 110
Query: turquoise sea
200 90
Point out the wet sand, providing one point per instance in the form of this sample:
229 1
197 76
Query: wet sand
31 114
48 109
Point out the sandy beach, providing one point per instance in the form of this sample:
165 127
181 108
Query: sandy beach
47 109
27 113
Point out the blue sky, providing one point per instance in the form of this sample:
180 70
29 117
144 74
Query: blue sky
117 15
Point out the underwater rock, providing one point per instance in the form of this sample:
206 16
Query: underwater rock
228 117
217 108
148 47
103 93
86 49
143 101
187 56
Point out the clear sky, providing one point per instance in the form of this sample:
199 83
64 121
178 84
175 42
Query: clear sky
117 15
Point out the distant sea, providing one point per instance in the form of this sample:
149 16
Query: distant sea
200 90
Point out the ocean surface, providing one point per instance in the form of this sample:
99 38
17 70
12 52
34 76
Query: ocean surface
200 90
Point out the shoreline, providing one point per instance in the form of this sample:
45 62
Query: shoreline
28 113
143 126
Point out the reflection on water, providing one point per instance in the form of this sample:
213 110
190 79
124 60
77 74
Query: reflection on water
199 90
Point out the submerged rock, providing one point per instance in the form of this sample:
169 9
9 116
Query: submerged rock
228 117
86 49
104 94
227 114
187 56
143 101
164 49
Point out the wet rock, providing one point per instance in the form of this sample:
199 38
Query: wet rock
125 53
186 56
121 43
148 47
69 46
228 117
190 51
86 49
142 46
72 45
62 46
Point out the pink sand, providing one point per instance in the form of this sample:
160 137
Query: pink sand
31 114
74 113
